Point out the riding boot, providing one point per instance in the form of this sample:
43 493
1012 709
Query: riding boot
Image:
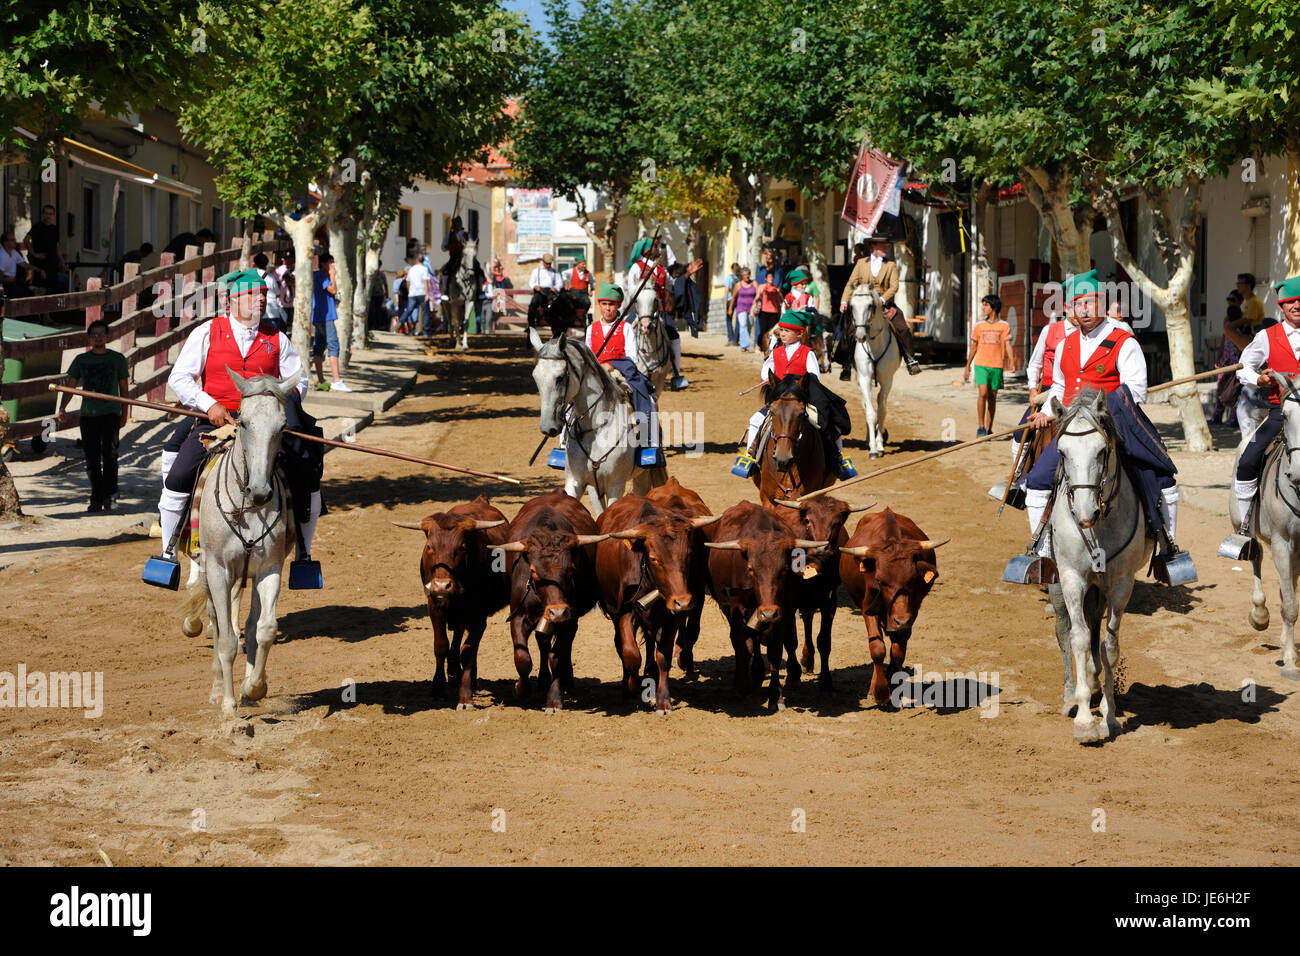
1246 491
904 334
679 380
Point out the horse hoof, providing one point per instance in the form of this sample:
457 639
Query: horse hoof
548 710
1259 622
779 706
1086 733
874 454
1291 673
663 712
1107 729
192 628
253 692
522 690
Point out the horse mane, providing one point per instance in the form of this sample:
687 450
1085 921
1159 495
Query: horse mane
562 343
1082 405
789 385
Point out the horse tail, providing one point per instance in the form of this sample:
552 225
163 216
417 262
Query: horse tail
195 602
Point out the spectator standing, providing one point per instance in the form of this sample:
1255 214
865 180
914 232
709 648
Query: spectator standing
742 305
417 291
45 252
1252 310
325 337
397 303
769 307
100 370
13 267
686 303
1228 386
990 349
500 282
733 277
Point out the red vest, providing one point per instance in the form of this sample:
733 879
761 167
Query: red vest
263 359
796 364
1055 332
579 282
616 348
1281 357
796 299
1102 372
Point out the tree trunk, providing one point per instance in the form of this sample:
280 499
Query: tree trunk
1070 227
812 247
610 241
246 248
754 253
1293 205
343 266
300 231
361 294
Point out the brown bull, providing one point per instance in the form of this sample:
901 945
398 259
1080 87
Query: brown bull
673 496
815 588
551 566
750 571
888 567
461 586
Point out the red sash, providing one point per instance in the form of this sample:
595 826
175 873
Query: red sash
796 364
1281 357
616 348
1102 372
1055 332
263 359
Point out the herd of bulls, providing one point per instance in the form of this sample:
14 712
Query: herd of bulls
648 562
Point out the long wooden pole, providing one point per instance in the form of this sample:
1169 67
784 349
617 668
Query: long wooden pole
1002 434
368 449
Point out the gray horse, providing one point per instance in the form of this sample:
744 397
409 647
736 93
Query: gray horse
462 292
246 527
653 349
1277 524
1100 542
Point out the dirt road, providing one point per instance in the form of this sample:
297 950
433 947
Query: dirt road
353 762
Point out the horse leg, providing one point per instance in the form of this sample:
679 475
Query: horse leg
266 592
1085 728
626 645
867 386
218 682
225 643
882 403
1063 641
1287 571
469 665
193 626
1258 600
1116 603
519 632
250 630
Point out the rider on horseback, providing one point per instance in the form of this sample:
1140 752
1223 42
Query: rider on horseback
645 256
881 275
793 358
242 341
454 245
614 343
1101 354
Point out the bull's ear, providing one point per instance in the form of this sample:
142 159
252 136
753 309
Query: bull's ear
771 379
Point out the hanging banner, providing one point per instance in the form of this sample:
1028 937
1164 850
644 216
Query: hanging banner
873 189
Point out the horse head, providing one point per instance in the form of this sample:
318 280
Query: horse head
261 426
1290 424
867 306
788 399
557 381
1085 439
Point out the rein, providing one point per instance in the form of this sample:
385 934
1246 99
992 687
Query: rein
887 332
1110 478
242 507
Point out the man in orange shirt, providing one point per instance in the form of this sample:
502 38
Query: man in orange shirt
990 350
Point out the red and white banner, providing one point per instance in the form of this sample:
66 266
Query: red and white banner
872 188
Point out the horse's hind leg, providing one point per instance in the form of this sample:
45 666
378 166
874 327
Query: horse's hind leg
1287 572
267 590
1118 601
1258 600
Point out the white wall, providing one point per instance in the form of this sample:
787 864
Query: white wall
438 200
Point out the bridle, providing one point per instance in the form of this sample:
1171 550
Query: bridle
1106 487
865 328
243 507
794 439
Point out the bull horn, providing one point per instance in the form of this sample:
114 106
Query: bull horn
861 551
929 544
480 525
515 546
808 545
786 504
854 510
413 525
631 535
585 539
703 521
723 545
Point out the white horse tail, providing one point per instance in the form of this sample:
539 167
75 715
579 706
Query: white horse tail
195 602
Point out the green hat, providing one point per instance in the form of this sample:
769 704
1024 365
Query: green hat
798 275
797 319
241 281
1085 283
609 292
1288 289
640 249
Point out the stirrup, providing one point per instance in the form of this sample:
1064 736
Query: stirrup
1016 499
1029 568
1240 546
744 465
305 575
651 458
1174 568
679 382
846 467
162 572
556 458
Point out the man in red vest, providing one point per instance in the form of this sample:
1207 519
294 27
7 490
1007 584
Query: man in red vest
1101 354
243 341
614 345
1273 349
579 280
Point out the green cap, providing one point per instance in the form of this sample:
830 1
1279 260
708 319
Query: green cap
1288 289
1085 283
798 275
241 281
795 319
609 292
640 249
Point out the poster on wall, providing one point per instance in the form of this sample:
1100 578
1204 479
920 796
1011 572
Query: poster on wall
535 222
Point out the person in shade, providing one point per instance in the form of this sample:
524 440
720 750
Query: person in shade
793 357
1101 354
100 370
244 341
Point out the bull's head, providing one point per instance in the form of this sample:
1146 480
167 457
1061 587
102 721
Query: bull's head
550 557
768 559
451 543
665 546
822 519
900 575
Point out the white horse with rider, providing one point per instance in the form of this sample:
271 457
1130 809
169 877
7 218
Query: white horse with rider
461 294
876 356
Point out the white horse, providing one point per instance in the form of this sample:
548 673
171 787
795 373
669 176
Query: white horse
1277 524
876 357
247 529
602 448
1100 542
462 291
653 349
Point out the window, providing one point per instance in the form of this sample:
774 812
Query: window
404 222
173 216
90 216
428 228
473 224
216 221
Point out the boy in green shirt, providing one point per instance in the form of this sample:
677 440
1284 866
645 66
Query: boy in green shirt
99 370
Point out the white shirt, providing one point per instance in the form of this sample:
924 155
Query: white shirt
875 264
629 337
9 262
273 307
1130 363
417 280
546 278
1034 370
770 365
1255 355
188 370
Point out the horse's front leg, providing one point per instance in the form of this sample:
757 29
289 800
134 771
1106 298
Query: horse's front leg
1120 592
1062 620
1287 571
224 642
1072 588
265 595
866 385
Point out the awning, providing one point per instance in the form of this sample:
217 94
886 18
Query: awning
89 157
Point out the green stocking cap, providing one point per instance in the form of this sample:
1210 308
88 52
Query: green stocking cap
1288 289
1085 283
243 280
609 293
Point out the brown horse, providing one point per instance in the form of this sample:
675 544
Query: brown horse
794 460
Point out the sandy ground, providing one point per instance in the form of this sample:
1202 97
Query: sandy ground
352 761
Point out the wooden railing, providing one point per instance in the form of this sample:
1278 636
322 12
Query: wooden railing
164 324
